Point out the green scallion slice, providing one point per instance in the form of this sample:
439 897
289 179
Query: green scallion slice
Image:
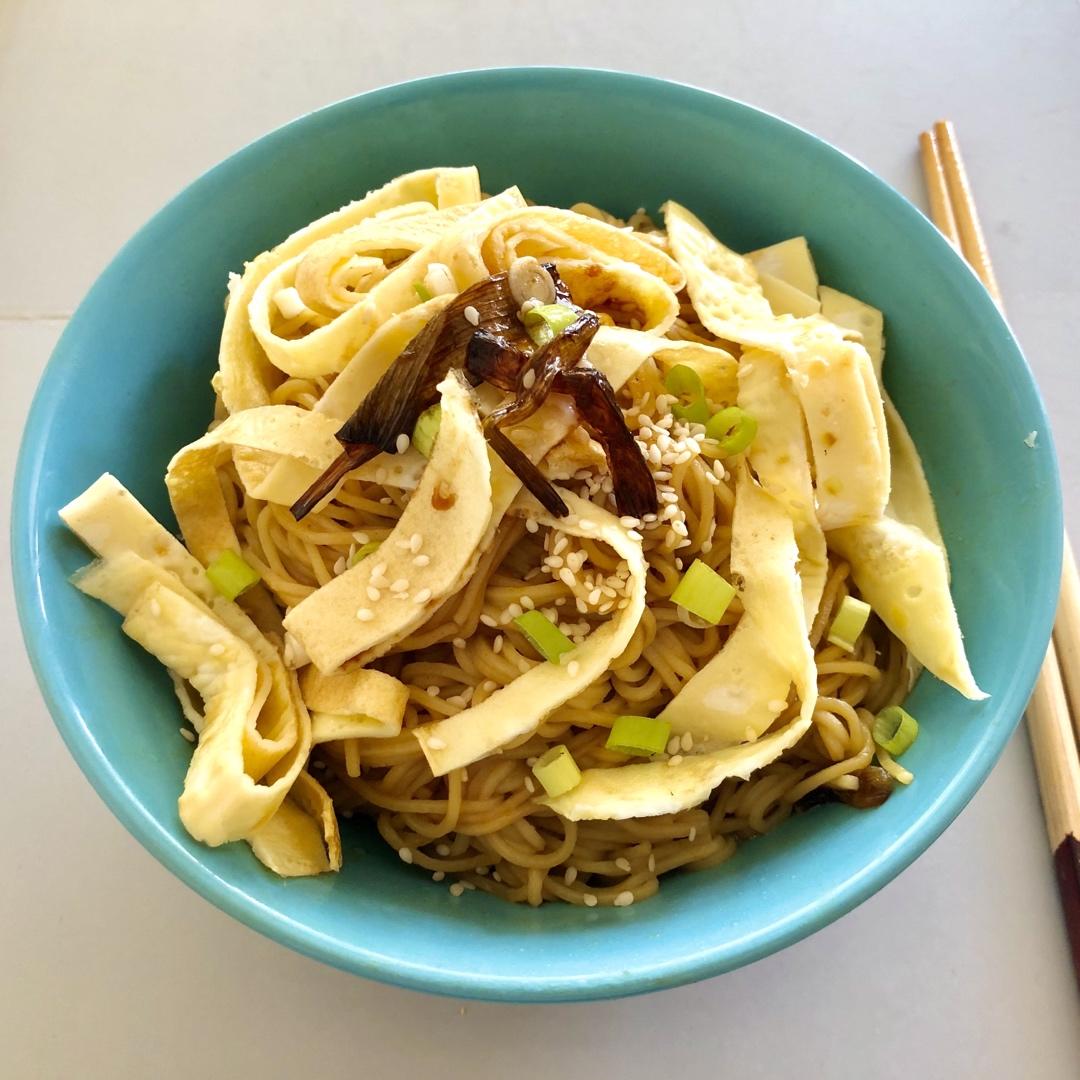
422 290
684 381
544 636
638 735
895 729
231 576
363 552
545 322
733 429
848 623
703 592
557 771
697 412
426 429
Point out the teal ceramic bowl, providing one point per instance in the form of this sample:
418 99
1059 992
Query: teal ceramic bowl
129 383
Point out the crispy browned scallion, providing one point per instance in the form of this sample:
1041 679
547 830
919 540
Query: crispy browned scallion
502 364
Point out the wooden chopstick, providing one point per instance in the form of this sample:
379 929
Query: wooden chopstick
1054 744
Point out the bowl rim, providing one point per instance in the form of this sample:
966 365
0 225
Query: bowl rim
75 731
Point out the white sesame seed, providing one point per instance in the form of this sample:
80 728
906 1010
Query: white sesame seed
365 614
572 669
673 745
456 699
528 380
339 566
532 525
594 596
623 864
421 560
675 760
405 855
416 542
553 562
435 743
439 875
442 849
155 609
217 649
528 603
401 585
530 787
361 537
487 620
571 875
378 570
472 315
489 685
634 534
422 597
189 735
590 900
402 443
624 899
686 743
652 864
373 594
459 643
457 889
497 644
566 576
692 835
433 691
495 876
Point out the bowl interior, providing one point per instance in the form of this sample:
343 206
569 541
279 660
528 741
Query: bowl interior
128 385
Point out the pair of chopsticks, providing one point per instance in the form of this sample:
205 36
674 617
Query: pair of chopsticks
1054 728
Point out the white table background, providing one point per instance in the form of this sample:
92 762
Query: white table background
110 967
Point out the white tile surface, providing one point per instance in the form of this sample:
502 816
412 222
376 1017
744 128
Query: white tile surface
109 966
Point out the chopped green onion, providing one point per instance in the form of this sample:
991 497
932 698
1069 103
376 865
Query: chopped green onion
363 552
848 623
422 290
704 592
557 771
697 412
543 323
638 735
684 381
895 730
426 429
733 429
230 575
544 636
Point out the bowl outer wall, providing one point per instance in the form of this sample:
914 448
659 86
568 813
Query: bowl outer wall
131 371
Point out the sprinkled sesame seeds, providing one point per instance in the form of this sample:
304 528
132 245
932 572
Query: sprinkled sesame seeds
416 542
528 380
442 850
530 787
217 649
497 644
439 875
532 525
422 597
459 643
624 899
421 560
365 614
405 855
692 834
401 585
373 594
155 609
673 744
472 316
686 743
675 759
361 537
402 443
652 864
571 875
432 691
189 735
528 603
623 864
435 743
590 899
487 620
457 889
572 669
